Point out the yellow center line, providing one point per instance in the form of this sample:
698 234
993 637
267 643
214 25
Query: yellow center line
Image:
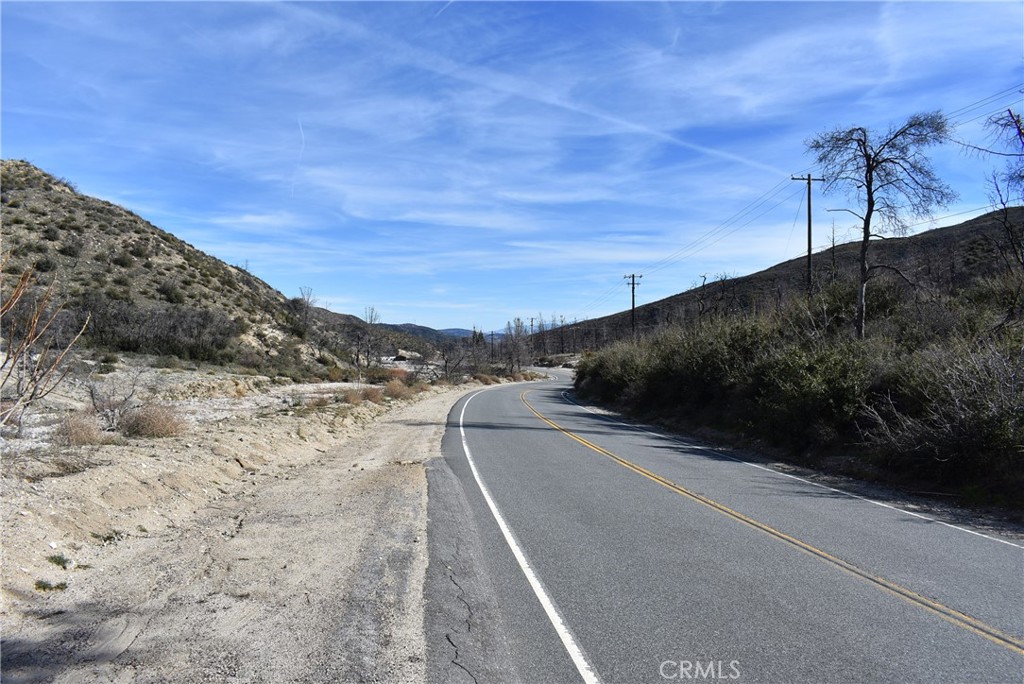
945 612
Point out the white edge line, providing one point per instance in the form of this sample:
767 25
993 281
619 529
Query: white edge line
574 650
794 477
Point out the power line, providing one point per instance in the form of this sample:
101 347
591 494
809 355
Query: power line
722 230
940 218
602 298
986 100
965 115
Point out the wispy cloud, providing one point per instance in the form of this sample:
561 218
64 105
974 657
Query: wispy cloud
463 158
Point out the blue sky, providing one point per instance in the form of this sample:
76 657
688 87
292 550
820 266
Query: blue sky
459 164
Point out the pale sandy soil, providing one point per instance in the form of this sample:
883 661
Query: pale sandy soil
277 540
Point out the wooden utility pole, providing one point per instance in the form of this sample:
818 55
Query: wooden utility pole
632 277
808 179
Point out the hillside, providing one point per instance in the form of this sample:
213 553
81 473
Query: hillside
939 260
148 291
931 398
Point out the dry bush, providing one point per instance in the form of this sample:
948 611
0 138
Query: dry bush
374 394
353 397
114 398
396 389
35 353
152 420
318 401
82 429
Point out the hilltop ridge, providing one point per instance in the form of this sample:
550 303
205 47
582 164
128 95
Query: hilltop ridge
148 291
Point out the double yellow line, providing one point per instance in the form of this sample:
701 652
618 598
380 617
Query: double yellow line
945 612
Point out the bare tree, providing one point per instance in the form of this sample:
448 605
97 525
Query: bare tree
515 343
308 301
34 358
541 344
1008 184
453 355
114 399
888 175
1009 129
372 319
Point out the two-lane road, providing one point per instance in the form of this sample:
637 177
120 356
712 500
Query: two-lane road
567 546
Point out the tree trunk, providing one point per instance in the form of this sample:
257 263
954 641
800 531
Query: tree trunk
862 288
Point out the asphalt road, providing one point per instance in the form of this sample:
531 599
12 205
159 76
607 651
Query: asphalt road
566 546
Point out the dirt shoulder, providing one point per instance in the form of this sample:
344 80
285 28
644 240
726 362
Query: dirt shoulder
282 538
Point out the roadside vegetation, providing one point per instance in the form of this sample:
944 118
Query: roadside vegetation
917 381
934 397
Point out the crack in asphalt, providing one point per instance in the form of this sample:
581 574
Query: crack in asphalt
461 596
455 660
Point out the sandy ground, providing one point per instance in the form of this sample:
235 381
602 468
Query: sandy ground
282 538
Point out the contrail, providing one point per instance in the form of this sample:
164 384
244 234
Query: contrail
446 5
302 149
402 51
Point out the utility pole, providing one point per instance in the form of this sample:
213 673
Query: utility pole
632 277
808 179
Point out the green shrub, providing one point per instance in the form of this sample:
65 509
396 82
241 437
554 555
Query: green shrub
139 250
71 247
45 265
808 397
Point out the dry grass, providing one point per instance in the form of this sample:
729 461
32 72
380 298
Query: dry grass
396 389
318 401
374 394
353 397
153 420
82 429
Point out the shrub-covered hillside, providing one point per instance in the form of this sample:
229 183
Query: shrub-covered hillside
934 395
144 290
